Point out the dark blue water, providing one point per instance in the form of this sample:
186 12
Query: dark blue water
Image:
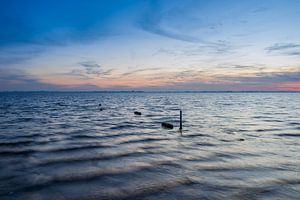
233 146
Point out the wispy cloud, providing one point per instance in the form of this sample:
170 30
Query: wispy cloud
153 27
293 53
233 66
13 55
151 22
265 81
244 66
266 77
167 21
18 80
283 46
93 68
260 9
218 48
156 79
134 72
291 49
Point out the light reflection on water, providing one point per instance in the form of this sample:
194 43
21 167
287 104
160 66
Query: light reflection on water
233 146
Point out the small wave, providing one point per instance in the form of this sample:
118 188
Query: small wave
10 152
218 156
29 136
149 147
252 192
294 123
196 135
74 148
69 160
119 127
106 136
16 143
25 119
60 104
152 115
287 181
273 120
17 152
231 168
150 189
225 155
205 144
263 116
288 135
224 140
145 140
233 131
94 174
267 188
268 130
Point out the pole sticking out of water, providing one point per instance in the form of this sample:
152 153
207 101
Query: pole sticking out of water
180 128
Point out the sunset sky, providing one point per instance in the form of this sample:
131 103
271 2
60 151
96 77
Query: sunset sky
196 45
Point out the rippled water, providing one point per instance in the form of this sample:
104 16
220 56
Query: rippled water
66 146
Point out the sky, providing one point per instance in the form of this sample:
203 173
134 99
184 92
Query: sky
151 45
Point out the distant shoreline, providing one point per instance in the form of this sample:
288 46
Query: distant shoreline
133 91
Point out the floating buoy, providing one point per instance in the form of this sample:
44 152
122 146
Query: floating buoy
167 125
100 104
137 113
101 109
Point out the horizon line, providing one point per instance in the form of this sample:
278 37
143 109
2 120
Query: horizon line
152 91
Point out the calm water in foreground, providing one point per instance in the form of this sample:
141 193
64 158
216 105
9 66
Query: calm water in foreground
233 146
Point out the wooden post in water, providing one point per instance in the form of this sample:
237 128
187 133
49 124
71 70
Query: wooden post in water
180 128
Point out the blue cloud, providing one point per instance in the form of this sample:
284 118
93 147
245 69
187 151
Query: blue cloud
10 56
18 80
283 46
263 78
291 49
157 14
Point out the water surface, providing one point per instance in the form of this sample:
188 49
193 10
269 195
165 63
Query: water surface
66 146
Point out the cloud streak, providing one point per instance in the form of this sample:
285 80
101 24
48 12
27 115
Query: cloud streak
135 72
290 49
92 68
288 81
283 46
19 80
166 21
155 79
264 78
14 55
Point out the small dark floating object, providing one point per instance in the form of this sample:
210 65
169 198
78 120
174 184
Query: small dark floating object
167 125
241 139
101 109
100 104
137 113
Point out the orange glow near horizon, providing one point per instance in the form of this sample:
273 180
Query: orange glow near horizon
288 86
157 79
134 80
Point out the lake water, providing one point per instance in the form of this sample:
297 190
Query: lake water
66 146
